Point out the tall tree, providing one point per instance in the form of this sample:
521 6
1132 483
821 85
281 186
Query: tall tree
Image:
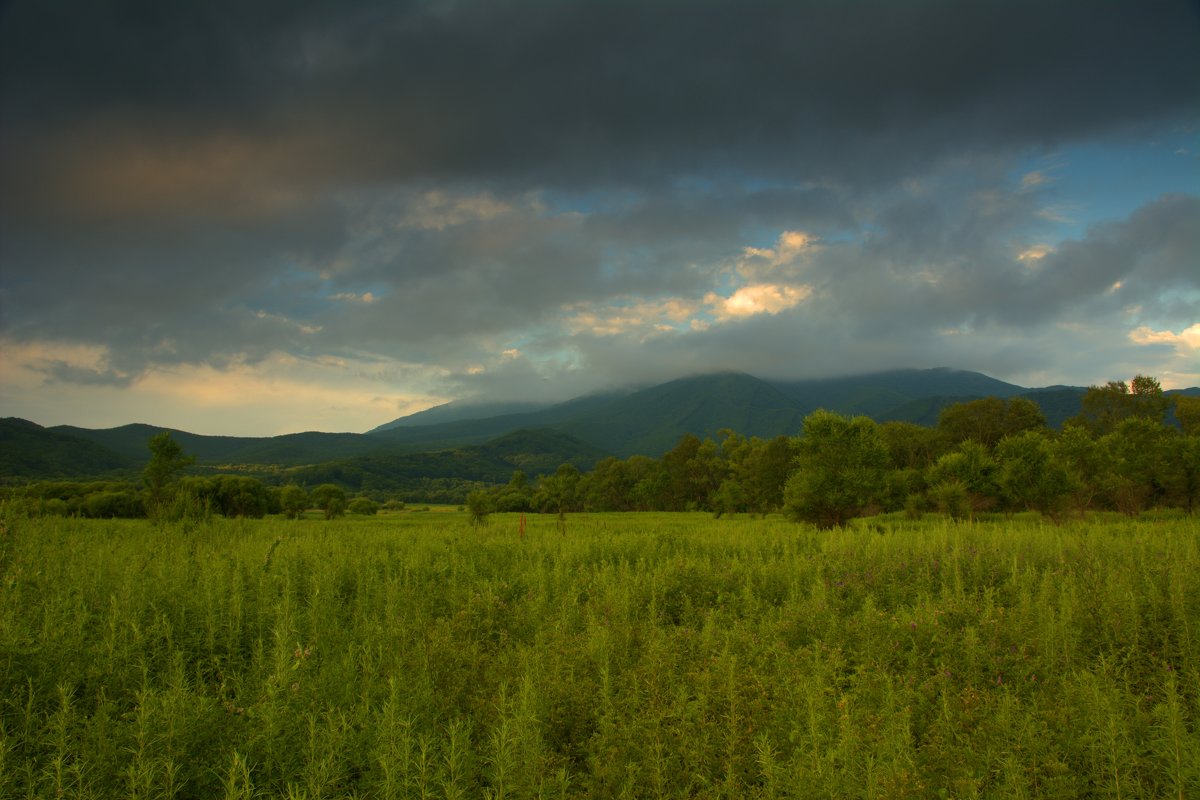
161 474
1136 457
609 486
764 472
293 501
330 498
558 493
1086 463
1181 478
1104 407
1187 411
841 468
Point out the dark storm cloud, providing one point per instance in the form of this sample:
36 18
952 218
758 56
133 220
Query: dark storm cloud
423 181
178 287
440 266
581 92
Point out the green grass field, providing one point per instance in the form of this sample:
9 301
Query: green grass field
640 655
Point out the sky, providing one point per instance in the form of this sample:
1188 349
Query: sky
254 218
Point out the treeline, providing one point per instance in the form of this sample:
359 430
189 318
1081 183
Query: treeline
189 497
983 455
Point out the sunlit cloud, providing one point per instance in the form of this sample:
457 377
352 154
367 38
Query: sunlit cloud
1031 255
759 261
637 317
18 355
1181 368
1187 339
763 298
28 365
366 298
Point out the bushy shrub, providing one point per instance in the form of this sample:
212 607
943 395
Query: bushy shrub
109 505
364 506
330 498
951 497
292 501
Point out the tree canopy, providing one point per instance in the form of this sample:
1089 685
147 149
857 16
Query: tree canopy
1105 407
840 469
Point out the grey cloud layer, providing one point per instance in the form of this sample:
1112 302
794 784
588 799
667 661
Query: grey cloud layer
209 181
580 92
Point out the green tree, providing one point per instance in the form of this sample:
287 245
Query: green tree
517 495
293 501
609 486
241 496
1030 476
841 469
651 485
1085 462
1103 408
912 446
763 472
729 498
107 505
1187 411
1136 457
1181 476
904 489
706 471
950 496
694 470
479 506
161 474
363 506
971 467
990 419
557 493
330 498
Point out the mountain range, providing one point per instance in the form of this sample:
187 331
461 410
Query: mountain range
488 441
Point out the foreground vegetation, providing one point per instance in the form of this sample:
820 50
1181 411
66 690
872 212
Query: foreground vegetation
629 655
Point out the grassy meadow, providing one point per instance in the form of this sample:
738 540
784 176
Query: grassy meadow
631 655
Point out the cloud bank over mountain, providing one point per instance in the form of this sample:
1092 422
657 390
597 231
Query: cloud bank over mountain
279 216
